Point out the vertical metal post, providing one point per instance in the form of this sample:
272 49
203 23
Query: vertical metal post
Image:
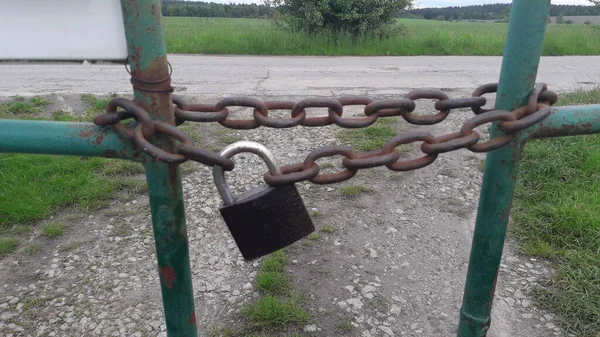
522 52
151 82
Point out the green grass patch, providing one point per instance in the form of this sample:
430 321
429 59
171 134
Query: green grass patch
373 137
33 249
354 191
314 236
270 311
20 105
53 230
557 216
34 186
8 245
423 37
327 229
272 282
274 262
280 308
315 214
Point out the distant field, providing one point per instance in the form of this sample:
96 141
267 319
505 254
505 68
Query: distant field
259 37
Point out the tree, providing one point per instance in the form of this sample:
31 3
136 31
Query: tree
595 2
356 17
560 19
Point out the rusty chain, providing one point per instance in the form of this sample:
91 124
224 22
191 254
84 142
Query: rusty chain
510 122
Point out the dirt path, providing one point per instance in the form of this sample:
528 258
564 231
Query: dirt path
393 264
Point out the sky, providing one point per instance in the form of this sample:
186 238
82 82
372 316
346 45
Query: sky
439 3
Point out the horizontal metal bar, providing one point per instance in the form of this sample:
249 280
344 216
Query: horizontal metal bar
567 121
65 138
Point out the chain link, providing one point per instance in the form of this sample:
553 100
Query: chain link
509 122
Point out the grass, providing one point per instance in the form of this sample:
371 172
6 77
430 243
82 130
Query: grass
20 105
557 216
8 245
33 249
315 214
373 137
327 229
270 311
280 307
345 326
34 186
354 191
53 230
260 37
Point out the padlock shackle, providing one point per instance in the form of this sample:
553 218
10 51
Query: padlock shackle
230 151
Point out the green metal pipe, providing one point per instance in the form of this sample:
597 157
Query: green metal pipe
151 82
65 138
522 52
566 121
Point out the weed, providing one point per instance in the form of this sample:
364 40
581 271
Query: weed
33 249
271 311
32 302
345 326
274 262
373 137
354 191
53 230
314 214
8 245
314 236
272 282
327 229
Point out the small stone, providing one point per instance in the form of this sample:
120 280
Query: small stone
247 286
372 253
366 333
310 328
355 303
405 264
387 330
395 310
14 300
414 326
526 303
510 301
519 294
368 289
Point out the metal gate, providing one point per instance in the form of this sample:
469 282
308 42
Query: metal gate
160 146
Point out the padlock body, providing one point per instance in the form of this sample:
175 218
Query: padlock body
266 219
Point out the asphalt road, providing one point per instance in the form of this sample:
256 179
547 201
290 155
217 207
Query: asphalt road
297 76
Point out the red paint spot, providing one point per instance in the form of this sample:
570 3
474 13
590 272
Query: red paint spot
192 319
168 276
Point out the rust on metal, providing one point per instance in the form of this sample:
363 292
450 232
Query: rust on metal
427 119
510 122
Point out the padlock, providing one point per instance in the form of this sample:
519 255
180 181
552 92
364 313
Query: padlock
266 218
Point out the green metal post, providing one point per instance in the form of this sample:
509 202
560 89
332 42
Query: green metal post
522 52
151 81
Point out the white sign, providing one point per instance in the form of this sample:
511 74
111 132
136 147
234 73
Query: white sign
62 30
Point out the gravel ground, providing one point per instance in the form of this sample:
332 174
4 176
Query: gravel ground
394 266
